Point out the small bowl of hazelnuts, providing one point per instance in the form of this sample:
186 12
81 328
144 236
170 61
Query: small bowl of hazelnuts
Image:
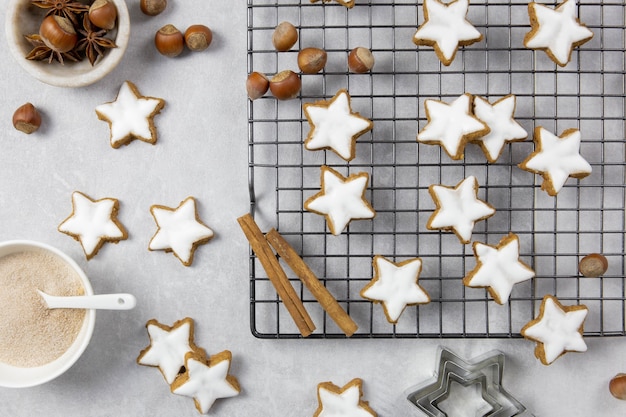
67 43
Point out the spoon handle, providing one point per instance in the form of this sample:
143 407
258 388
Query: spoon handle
100 301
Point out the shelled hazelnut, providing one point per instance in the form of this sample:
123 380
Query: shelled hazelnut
103 14
152 7
285 36
198 37
593 265
311 60
27 119
617 386
58 33
360 60
169 41
285 85
257 85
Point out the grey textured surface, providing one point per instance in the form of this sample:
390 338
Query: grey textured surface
202 151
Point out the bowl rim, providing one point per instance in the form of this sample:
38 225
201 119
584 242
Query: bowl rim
38 70
31 377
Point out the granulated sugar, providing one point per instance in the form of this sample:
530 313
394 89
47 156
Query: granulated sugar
30 333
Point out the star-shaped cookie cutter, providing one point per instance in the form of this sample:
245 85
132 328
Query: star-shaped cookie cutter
485 370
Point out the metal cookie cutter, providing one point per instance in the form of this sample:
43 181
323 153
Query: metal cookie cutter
485 370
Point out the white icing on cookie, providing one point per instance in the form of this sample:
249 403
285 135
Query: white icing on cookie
395 285
558 329
557 31
499 119
446 28
451 125
93 222
179 230
341 199
458 208
334 125
168 347
556 158
498 268
206 383
342 402
130 116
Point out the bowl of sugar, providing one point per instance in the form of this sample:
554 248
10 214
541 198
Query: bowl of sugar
38 344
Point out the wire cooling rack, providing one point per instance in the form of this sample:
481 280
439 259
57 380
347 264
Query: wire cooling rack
555 232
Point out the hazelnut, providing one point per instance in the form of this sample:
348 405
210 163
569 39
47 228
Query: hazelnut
285 36
617 386
103 14
311 60
257 85
285 85
152 7
593 265
360 60
26 118
198 37
169 41
58 33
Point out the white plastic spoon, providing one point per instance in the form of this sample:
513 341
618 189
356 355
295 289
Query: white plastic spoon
100 301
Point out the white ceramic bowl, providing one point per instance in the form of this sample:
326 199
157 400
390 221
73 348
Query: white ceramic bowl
22 18
17 377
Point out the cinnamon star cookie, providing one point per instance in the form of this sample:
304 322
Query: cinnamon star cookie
93 223
335 126
131 116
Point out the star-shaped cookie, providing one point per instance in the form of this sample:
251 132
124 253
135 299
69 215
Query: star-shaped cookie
451 125
556 158
168 347
334 125
396 286
206 380
458 208
502 126
348 3
446 28
93 222
131 116
557 330
342 402
341 199
556 31
180 230
498 268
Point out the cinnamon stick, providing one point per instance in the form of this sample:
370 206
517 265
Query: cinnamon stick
276 275
319 291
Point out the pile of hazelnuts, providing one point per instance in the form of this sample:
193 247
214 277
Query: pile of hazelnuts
286 84
170 41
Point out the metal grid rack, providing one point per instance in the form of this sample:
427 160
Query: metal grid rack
587 216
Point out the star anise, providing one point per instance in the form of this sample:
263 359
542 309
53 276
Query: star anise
41 51
93 43
65 8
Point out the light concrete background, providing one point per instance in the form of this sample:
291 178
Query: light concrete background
202 152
